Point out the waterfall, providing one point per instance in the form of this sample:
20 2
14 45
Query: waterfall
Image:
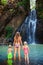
29 25
32 26
32 21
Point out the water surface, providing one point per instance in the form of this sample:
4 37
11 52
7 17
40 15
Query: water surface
35 55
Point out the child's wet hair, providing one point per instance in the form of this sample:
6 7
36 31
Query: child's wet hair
9 46
25 42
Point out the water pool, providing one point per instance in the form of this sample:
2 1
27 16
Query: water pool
35 55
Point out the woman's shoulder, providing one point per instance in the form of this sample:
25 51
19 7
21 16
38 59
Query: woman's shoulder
19 37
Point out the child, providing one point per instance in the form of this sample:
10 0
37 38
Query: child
10 52
26 51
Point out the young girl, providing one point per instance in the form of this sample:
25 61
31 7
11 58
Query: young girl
26 51
10 52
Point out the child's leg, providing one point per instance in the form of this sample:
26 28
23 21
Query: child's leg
15 51
27 59
19 54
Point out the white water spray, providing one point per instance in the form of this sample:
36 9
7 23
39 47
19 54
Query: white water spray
32 22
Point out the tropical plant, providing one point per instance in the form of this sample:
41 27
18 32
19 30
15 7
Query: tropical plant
24 3
9 31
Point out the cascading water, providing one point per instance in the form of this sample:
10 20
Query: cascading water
29 25
32 21
32 26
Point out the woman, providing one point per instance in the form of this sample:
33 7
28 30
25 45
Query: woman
17 43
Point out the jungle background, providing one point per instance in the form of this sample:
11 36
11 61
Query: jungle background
13 14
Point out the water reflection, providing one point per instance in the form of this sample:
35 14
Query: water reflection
12 62
9 62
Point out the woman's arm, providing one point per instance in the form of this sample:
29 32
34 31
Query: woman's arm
14 41
21 41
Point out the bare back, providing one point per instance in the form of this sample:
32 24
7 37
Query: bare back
18 41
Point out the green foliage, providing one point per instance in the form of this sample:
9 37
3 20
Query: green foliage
9 31
39 7
4 2
24 3
11 10
40 14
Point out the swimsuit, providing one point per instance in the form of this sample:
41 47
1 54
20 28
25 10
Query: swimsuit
9 55
25 50
17 45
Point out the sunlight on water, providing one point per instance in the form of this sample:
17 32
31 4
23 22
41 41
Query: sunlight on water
32 4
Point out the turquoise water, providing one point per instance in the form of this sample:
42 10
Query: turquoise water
35 54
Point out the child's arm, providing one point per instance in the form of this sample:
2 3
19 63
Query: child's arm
21 41
28 49
14 41
12 49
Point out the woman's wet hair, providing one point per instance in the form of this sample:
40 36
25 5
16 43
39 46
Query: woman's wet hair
17 34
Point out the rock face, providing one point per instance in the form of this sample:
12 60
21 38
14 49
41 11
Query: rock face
16 21
39 31
5 19
11 18
39 8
